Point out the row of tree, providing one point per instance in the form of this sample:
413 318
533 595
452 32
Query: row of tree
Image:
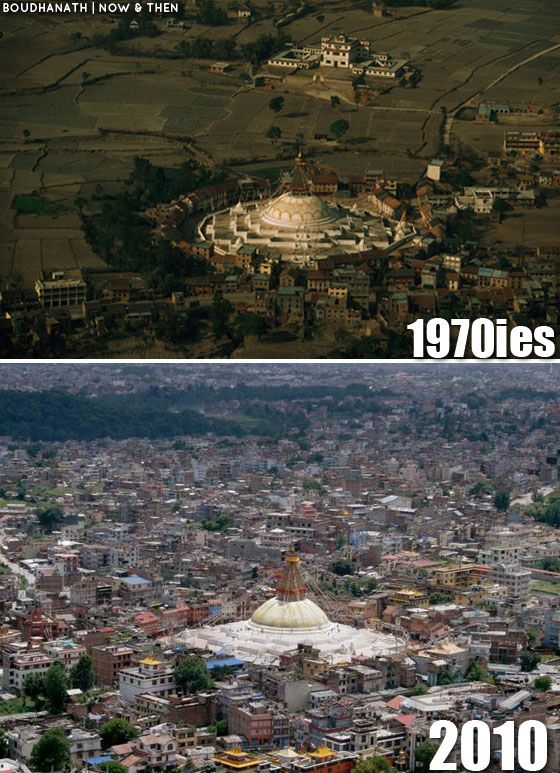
255 51
60 416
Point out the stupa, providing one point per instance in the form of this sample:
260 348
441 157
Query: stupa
296 225
283 622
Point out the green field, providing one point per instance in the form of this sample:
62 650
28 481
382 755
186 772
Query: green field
36 205
546 587
16 706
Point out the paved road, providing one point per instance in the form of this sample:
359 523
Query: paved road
15 567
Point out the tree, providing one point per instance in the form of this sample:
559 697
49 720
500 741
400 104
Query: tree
210 13
445 677
33 450
202 48
191 675
179 327
113 767
56 684
220 727
252 324
51 752
49 517
276 104
375 764
464 179
343 566
221 523
81 675
419 689
502 500
184 49
500 206
529 660
540 200
549 511
339 128
504 264
116 731
542 683
34 686
359 80
220 312
480 488
148 182
424 755
439 598
274 134
477 673
335 101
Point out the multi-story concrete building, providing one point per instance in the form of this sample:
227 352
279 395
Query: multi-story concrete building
158 749
83 745
65 651
259 724
499 554
355 679
252 721
18 662
197 711
516 580
151 675
545 143
61 288
17 665
90 592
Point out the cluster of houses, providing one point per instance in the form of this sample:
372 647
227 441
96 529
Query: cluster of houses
393 536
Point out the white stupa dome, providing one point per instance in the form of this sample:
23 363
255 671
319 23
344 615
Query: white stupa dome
302 615
292 210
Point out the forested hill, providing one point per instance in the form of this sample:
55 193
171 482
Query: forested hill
57 415
273 411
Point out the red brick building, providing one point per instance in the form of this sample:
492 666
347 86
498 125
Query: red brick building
108 660
253 721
